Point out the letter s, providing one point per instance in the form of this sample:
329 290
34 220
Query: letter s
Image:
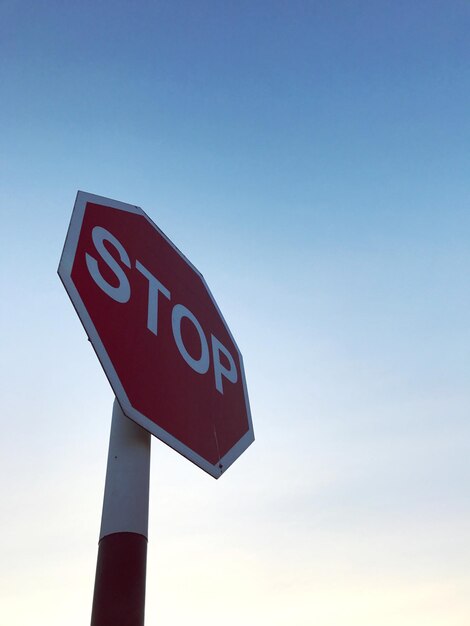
122 292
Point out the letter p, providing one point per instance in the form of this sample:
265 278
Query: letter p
219 369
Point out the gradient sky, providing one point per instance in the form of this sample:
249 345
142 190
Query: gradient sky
311 158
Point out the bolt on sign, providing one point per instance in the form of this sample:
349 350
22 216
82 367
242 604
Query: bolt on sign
161 339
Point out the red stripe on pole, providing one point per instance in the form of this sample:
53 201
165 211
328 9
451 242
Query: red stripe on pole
119 598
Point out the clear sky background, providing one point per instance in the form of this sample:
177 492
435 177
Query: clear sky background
311 158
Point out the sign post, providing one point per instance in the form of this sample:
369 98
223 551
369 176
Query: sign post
119 596
173 365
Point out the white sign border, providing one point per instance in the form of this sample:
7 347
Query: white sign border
65 274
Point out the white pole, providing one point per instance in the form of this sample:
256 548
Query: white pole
119 596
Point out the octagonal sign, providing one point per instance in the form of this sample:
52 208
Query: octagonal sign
156 329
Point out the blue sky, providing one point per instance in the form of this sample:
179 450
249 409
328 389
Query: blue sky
311 159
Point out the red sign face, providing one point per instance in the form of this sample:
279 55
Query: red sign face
157 331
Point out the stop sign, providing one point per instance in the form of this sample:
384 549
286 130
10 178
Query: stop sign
162 341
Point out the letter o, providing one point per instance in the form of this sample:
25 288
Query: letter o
200 365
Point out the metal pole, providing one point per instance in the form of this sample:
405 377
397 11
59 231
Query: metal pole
119 595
